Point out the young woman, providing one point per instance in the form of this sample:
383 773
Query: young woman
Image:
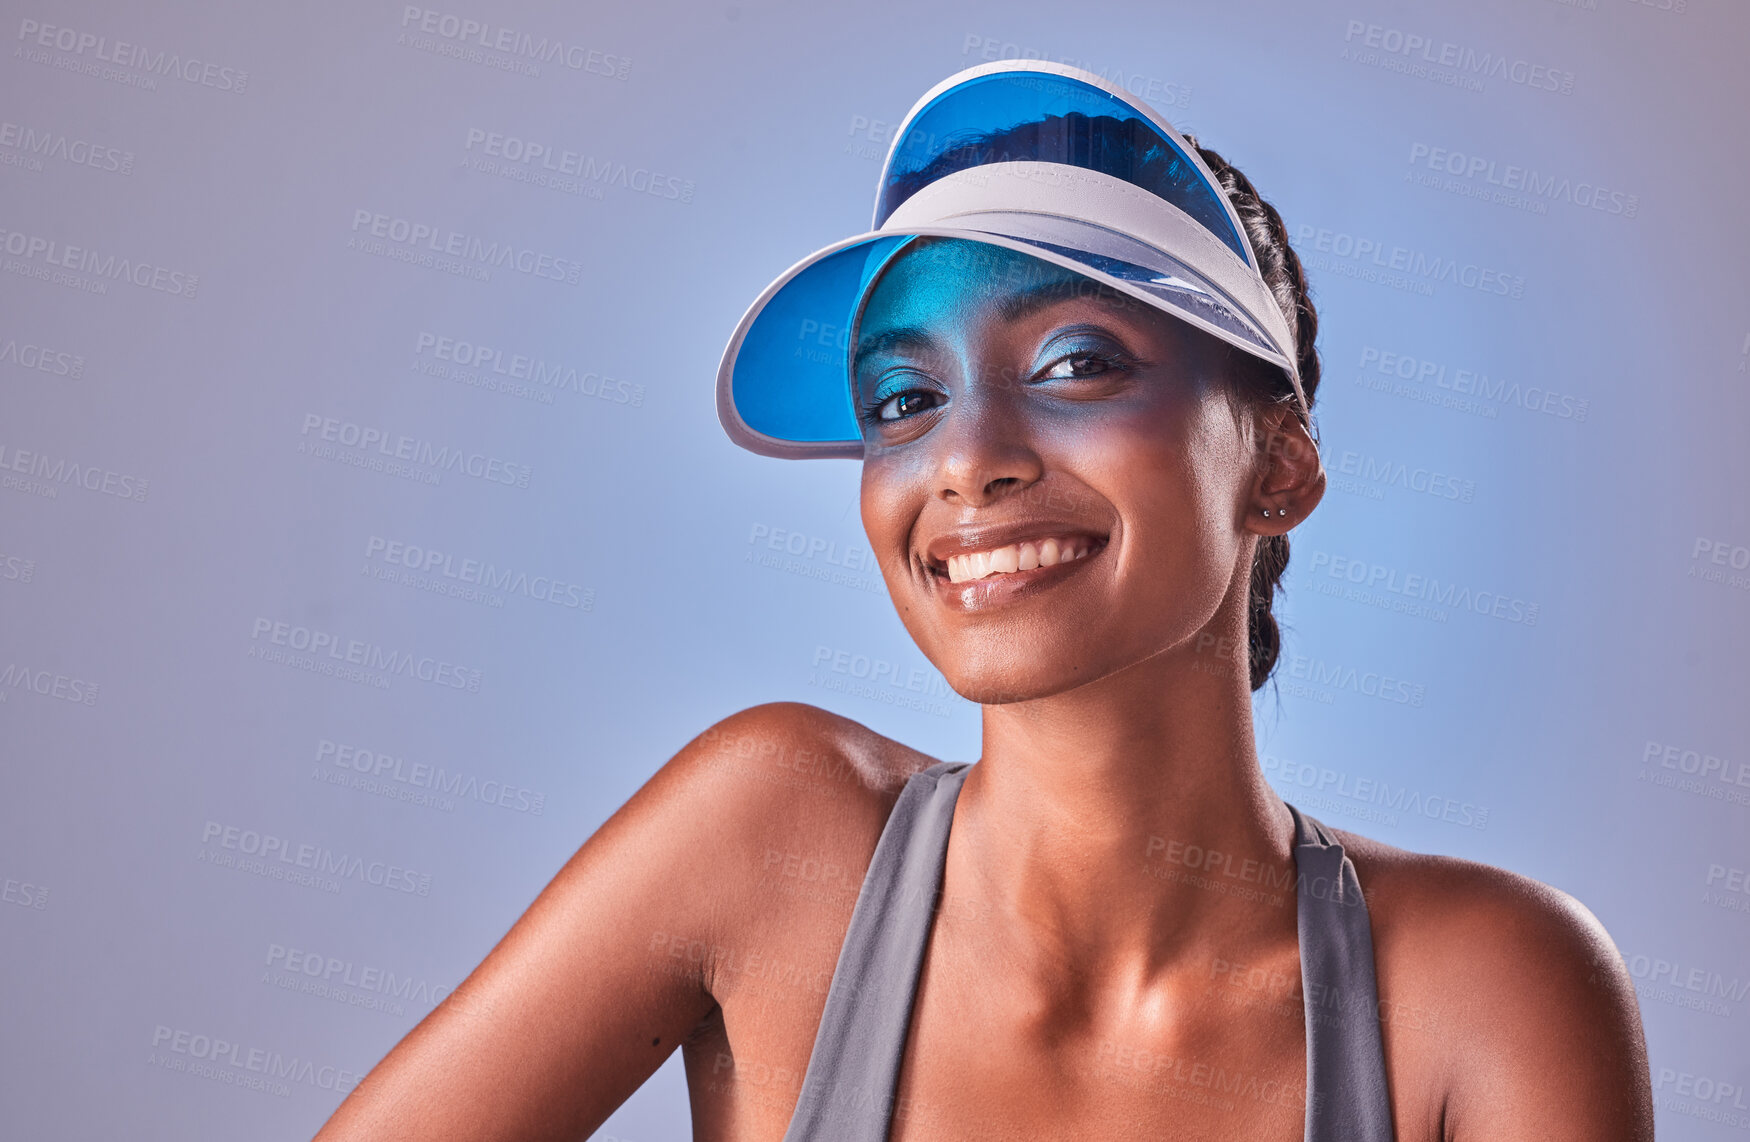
1076 359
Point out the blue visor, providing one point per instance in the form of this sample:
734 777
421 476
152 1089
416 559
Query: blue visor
1038 158
791 378
1034 116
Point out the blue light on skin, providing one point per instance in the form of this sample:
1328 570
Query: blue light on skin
996 388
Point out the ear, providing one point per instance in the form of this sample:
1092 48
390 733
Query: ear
1289 480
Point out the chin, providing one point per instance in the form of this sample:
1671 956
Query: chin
996 680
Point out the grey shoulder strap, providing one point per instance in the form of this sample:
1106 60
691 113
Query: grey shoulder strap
853 1074
1347 1099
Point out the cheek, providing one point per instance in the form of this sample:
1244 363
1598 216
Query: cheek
1174 488
1145 465
882 500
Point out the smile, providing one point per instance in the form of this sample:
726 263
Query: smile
1016 557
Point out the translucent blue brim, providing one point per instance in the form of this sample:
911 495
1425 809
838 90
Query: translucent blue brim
791 372
1035 116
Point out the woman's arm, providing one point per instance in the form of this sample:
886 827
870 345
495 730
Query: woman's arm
572 1011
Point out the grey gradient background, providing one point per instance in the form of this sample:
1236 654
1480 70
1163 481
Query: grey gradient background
165 505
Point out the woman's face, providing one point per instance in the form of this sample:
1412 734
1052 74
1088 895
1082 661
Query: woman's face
1016 414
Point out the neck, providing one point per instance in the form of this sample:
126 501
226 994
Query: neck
1092 814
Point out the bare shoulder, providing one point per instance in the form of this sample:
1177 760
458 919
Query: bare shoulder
794 799
1483 925
1506 993
790 767
805 748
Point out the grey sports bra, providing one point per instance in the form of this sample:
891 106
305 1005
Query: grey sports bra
852 1079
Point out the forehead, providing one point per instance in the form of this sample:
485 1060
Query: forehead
939 278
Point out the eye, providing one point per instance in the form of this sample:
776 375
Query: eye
1081 363
889 404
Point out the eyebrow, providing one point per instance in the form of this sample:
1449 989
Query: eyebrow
1049 293
1011 309
903 336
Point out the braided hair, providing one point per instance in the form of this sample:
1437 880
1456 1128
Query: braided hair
1128 148
1282 272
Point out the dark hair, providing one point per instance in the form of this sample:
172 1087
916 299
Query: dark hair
1282 272
1129 149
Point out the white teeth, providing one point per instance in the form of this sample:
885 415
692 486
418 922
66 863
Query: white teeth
1015 557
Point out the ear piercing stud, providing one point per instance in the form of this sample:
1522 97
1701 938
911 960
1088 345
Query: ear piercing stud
1279 511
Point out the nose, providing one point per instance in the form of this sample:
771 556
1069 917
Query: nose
984 450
